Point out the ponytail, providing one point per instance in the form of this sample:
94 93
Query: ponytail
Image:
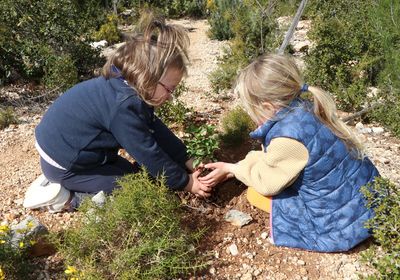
325 110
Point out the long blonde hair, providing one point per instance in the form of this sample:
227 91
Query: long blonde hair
276 79
144 59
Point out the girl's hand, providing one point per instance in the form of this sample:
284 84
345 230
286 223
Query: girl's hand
196 187
221 172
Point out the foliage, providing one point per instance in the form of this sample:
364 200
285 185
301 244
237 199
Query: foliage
14 263
389 78
253 30
7 117
346 58
109 30
220 18
174 111
202 141
356 48
384 197
136 234
60 71
34 32
170 8
236 125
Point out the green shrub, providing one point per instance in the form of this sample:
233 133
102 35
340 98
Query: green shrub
174 112
357 46
7 117
32 32
136 234
384 196
14 262
202 142
60 71
253 33
389 79
169 8
346 58
236 125
220 18
109 30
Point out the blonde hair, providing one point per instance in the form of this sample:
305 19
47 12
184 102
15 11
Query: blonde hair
145 58
276 79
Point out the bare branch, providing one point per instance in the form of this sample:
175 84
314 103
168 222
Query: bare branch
290 32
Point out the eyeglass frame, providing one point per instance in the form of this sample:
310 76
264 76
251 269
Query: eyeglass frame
169 90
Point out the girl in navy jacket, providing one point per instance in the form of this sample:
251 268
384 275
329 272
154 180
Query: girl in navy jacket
79 136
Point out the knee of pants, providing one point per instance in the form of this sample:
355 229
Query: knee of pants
258 200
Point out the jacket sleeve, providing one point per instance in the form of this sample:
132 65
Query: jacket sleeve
169 142
134 134
272 171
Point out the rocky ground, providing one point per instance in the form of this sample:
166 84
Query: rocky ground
236 253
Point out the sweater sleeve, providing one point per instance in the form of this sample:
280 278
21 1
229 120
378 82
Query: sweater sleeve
271 172
137 138
170 143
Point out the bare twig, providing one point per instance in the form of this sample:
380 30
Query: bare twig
290 32
362 112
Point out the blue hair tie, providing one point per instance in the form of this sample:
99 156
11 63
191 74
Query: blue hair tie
304 88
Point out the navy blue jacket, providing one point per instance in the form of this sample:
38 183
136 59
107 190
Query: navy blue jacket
323 210
87 125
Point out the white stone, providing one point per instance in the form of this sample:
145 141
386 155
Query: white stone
99 44
377 130
264 235
233 250
301 262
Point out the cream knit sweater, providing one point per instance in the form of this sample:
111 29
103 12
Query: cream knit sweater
271 171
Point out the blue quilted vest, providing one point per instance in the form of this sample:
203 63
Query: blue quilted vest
323 210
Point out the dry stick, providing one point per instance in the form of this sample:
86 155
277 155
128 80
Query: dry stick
290 32
362 112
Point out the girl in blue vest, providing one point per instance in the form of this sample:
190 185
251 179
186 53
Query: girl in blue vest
79 136
309 173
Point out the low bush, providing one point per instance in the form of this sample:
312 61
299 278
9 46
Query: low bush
384 197
252 30
7 117
356 48
109 30
14 262
236 126
60 72
136 234
175 112
34 33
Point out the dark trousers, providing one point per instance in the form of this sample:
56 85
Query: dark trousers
101 178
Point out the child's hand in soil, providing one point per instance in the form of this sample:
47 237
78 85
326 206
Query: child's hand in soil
196 187
221 171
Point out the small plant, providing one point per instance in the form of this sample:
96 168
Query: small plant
7 117
384 197
174 112
136 234
236 125
202 143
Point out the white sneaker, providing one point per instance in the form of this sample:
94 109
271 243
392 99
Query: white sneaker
42 193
